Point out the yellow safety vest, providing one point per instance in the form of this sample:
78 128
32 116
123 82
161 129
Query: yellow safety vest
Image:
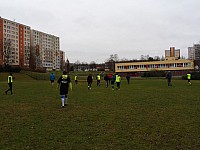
188 76
98 77
64 76
118 78
10 79
75 78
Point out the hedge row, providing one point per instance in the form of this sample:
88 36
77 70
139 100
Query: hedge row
154 74
10 69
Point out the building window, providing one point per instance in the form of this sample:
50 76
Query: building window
171 65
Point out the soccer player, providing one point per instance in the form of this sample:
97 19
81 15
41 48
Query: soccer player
106 78
189 78
52 78
75 79
64 84
98 79
113 81
10 81
118 80
169 78
128 78
89 81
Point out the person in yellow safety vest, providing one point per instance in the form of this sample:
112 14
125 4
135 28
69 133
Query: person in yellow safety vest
98 79
75 79
10 81
189 78
118 80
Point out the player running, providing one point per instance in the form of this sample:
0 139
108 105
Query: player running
64 83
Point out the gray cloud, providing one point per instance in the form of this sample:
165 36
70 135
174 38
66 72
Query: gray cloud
91 30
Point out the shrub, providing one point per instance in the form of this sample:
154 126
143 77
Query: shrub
10 68
154 74
1 68
195 75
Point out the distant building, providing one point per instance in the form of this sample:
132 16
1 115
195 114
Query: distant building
166 65
194 54
172 53
62 60
196 48
191 53
47 50
172 62
14 43
22 46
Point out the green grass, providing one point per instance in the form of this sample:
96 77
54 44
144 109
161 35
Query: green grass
147 114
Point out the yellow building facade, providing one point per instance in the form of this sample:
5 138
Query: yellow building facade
165 65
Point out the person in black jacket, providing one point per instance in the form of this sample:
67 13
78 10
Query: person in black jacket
89 81
106 78
128 78
10 81
64 83
169 78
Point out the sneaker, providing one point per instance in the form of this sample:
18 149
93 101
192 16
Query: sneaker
66 104
62 107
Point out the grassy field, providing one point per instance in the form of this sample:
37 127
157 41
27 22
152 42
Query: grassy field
147 114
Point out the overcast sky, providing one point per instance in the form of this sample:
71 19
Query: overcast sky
92 30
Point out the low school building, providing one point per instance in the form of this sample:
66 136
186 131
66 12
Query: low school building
177 67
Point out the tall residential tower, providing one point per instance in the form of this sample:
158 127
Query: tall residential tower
47 50
22 46
14 43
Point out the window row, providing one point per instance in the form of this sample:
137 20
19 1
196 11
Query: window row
151 66
14 30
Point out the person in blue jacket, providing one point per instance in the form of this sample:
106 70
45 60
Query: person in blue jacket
113 81
52 79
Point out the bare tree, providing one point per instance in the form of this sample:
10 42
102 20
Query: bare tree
7 52
111 61
124 59
77 64
32 60
68 65
27 56
92 65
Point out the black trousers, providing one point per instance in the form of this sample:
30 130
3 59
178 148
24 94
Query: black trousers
10 88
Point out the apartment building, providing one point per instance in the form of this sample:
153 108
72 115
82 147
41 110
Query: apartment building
191 53
47 48
14 43
172 53
62 59
197 51
194 52
18 41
